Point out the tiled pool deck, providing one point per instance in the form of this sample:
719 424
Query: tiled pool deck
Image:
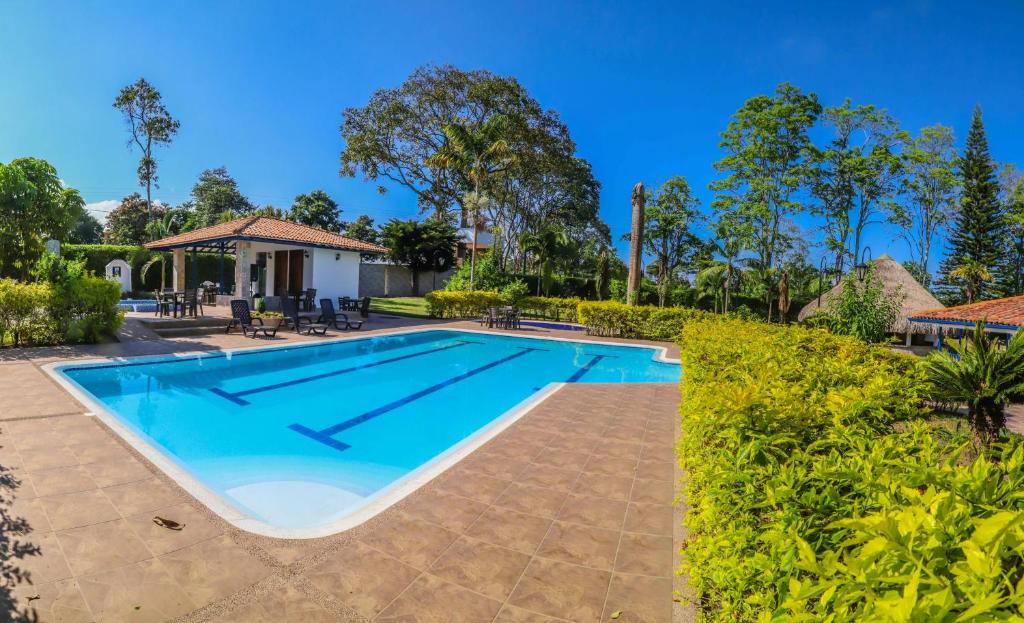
566 516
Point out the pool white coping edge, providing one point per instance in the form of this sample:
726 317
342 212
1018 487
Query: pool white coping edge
401 489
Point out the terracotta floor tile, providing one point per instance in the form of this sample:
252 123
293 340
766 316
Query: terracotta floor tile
142 496
533 500
474 485
159 540
653 491
431 600
481 567
362 578
414 542
658 452
511 614
56 601
549 477
602 486
618 449
140 592
74 510
581 545
591 511
453 512
110 472
649 519
69 479
505 469
284 604
562 590
101 547
640 599
563 459
655 470
40 559
510 529
27 516
213 569
624 433
645 554
91 452
42 440
611 466
48 458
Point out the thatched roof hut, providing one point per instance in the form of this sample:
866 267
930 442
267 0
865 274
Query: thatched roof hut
895 279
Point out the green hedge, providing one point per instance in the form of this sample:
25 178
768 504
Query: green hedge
817 491
459 304
563 309
82 310
613 319
97 256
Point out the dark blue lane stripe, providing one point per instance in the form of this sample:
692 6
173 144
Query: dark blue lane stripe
587 367
236 396
325 435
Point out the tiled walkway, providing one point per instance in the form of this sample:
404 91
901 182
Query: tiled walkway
565 516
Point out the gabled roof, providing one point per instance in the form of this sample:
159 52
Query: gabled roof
896 280
1008 312
264 229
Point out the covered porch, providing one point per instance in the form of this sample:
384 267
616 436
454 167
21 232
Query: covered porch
273 259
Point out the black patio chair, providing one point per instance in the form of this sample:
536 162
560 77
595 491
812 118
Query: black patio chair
300 323
309 300
334 319
364 307
240 316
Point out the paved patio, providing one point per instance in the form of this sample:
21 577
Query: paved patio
566 516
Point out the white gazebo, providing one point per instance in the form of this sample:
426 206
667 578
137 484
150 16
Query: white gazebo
273 258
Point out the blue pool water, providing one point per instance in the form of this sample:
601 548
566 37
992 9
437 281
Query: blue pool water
300 437
137 305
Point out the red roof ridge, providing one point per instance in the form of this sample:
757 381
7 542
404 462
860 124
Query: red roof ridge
267 228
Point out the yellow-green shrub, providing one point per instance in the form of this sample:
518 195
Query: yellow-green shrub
550 307
818 493
461 304
24 317
613 319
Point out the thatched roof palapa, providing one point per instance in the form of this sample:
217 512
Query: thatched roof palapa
896 280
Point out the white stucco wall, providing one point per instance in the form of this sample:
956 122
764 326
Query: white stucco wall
334 277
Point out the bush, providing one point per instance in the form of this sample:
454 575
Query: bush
445 304
550 307
818 492
614 319
24 317
487 275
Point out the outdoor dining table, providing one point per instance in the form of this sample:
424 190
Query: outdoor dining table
175 298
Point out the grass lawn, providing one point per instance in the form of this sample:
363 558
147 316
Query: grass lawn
415 306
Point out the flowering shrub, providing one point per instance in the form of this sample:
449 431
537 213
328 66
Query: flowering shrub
818 491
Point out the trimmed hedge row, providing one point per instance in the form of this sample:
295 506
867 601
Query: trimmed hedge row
613 319
818 492
83 310
97 256
550 307
460 304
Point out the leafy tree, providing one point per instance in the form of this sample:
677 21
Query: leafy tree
149 125
603 275
667 236
766 145
972 276
723 268
87 230
316 209
126 224
157 230
981 374
930 193
479 152
546 244
856 175
215 196
427 245
362 229
34 206
978 228
1011 270
863 309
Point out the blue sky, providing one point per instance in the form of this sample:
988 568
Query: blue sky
644 87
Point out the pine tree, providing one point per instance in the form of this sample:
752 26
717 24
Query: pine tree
977 235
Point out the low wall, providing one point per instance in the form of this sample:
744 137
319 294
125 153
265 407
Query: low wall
388 280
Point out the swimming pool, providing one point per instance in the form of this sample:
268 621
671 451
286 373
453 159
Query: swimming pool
137 305
305 440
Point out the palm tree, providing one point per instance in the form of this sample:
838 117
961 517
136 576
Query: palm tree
971 273
981 374
478 152
636 244
158 229
546 243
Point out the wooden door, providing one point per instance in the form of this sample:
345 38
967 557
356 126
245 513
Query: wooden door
295 272
280 273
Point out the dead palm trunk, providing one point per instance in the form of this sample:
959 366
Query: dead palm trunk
783 296
636 241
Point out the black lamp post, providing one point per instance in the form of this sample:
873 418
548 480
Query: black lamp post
862 266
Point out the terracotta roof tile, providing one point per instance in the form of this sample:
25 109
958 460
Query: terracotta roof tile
266 228
1008 311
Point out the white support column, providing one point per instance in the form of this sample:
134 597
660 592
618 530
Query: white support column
242 261
179 269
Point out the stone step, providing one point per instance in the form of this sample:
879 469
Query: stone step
187 331
160 324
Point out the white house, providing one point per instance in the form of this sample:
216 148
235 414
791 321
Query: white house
273 258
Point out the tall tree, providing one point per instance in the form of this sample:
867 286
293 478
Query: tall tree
724 271
316 209
856 176
362 229
546 244
667 235
34 206
149 125
1011 270
126 224
766 162
87 230
929 193
636 244
978 231
427 245
215 197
